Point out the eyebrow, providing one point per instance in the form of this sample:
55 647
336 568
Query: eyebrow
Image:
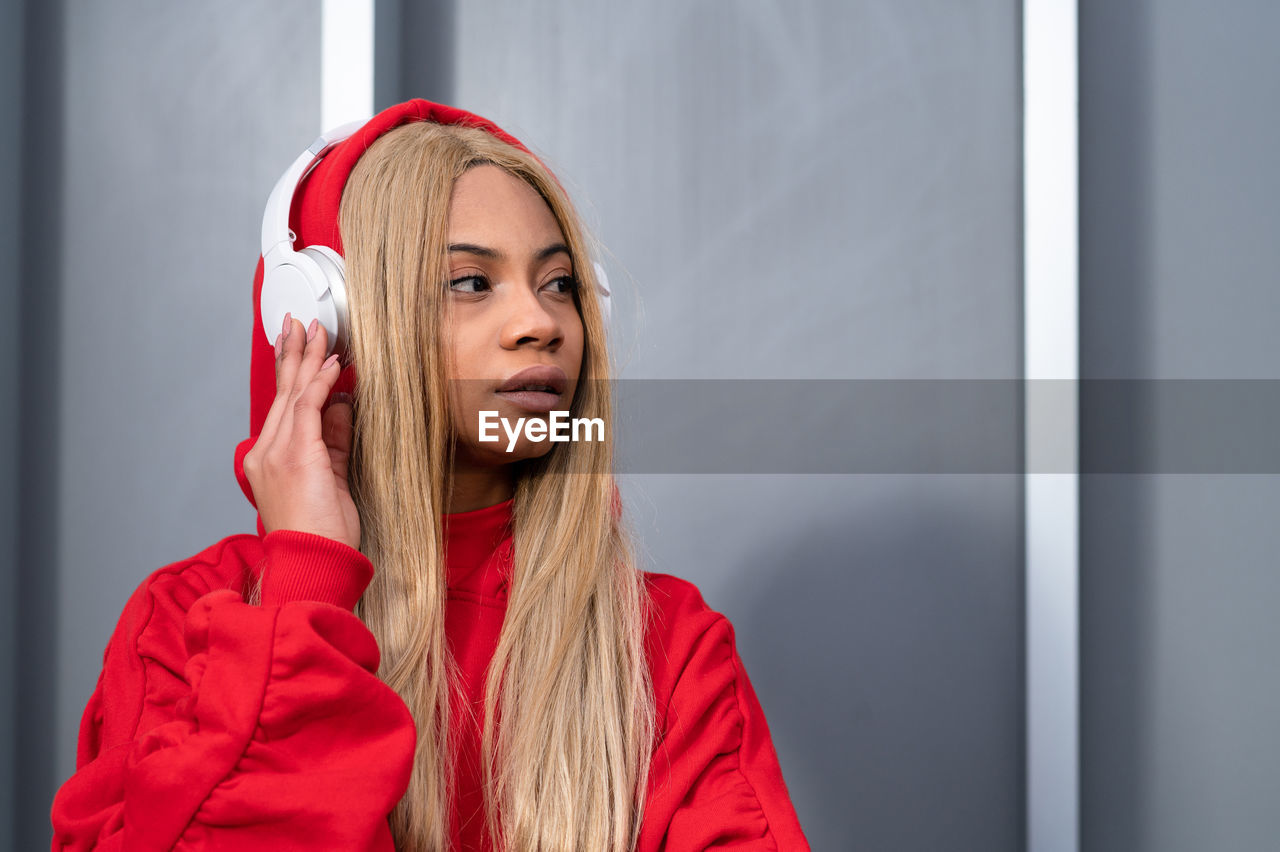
484 251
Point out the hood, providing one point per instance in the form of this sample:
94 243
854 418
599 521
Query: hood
314 219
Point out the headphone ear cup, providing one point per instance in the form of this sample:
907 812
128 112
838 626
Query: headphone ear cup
310 285
332 301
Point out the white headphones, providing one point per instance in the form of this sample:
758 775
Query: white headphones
310 284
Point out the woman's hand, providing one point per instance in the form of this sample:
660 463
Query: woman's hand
298 467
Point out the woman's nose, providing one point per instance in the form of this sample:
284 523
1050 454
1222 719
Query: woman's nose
528 321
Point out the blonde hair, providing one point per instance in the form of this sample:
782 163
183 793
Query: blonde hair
566 768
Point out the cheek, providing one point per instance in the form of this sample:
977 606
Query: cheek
575 339
468 347
469 396
455 349
461 368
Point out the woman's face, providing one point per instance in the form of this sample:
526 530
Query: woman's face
510 306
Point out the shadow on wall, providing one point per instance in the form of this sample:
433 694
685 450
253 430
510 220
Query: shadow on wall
1117 291
896 689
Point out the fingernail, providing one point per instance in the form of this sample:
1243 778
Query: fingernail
284 331
311 329
277 343
330 361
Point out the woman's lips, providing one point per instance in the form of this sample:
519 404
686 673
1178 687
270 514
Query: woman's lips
537 377
537 389
535 402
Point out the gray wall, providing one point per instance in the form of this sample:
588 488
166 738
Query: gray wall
151 135
830 191
32 617
1180 210
165 176
826 192
813 191
11 101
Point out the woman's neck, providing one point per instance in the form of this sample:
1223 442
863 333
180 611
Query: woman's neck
478 487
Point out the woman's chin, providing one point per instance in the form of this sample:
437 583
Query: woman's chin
495 455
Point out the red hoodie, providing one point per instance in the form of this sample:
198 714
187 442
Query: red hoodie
220 725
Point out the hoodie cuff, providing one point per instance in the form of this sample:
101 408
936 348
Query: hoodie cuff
302 566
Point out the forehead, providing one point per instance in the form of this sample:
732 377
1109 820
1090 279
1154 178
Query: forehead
490 204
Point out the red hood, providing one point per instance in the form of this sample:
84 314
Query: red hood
314 219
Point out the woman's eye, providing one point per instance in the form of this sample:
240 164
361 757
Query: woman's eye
469 284
566 284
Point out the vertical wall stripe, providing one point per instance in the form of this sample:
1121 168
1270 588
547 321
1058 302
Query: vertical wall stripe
39 406
12 59
1051 334
414 51
346 62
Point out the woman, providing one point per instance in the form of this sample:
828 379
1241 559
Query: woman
434 641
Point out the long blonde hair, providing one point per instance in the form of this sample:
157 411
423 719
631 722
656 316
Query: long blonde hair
568 710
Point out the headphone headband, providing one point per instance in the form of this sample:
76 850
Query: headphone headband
275 220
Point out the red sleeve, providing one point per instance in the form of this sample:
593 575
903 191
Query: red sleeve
714 779
220 725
